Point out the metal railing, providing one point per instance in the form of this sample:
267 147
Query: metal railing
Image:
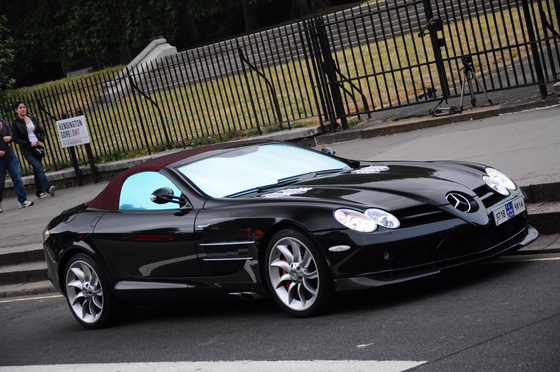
325 70
408 52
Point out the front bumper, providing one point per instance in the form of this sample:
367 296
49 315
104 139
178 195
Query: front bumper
523 238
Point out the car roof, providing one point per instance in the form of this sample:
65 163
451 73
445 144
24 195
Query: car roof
108 199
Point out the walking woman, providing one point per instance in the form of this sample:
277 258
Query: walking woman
28 133
10 163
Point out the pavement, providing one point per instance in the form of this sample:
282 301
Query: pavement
22 266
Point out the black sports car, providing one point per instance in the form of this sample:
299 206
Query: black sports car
274 219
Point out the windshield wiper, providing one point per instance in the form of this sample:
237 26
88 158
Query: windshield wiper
329 171
289 180
241 193
310 175
281 182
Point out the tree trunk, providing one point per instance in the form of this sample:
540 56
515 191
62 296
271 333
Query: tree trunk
188 30
300 9
303 8
251 22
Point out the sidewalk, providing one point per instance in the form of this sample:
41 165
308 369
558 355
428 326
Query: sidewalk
21 232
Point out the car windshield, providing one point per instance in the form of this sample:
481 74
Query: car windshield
253 168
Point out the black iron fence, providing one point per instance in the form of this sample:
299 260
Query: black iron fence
325 70
410 52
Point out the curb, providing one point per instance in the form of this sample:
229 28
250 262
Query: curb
27 289
372 129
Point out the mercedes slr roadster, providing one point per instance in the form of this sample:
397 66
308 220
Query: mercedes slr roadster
275 219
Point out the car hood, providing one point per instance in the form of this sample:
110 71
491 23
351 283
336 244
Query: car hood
391 186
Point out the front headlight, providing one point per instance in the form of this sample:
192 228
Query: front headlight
498 181
383 218
366 222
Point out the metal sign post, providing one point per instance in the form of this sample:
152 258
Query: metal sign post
73 132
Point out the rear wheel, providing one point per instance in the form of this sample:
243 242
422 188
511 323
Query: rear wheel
88 293
297 274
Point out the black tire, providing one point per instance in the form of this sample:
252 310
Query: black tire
297 275
88 293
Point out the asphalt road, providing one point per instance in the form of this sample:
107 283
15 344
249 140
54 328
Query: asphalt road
498 316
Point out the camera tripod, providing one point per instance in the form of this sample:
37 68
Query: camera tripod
467 78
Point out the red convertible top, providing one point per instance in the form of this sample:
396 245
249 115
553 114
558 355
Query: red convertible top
108 199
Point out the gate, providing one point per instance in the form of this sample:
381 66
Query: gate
392 53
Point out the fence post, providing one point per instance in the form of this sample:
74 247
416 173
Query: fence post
434 26
253 107
329 69
534 49
135 87
132 85
271 89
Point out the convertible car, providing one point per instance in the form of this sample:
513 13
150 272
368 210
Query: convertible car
274 219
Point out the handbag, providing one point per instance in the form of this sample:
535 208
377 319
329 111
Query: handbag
38 151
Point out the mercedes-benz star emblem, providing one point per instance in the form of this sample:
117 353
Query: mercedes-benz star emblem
459 202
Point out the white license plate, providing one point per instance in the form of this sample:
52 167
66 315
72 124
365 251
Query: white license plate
509 210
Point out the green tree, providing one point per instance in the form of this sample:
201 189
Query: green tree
6 62
99 27
51 34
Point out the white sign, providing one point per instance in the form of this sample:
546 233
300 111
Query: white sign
73 131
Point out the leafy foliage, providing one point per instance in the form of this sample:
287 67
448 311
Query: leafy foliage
49 35
6 61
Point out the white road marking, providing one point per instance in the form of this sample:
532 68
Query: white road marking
28 298
237 366
363 345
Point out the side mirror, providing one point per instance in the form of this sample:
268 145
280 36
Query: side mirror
328 151
165 195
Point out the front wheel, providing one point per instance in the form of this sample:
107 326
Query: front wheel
297 274
88 293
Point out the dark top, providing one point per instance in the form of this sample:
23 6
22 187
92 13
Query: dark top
5 131
19 132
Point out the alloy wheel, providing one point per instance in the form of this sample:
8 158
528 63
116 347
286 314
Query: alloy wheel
293 273
84 291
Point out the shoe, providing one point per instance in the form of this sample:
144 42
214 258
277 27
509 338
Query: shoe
25 204
52 189
42 195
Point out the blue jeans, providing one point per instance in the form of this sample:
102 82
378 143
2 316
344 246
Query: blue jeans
42 183
10 163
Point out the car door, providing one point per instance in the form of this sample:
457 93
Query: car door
230 232
143 239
